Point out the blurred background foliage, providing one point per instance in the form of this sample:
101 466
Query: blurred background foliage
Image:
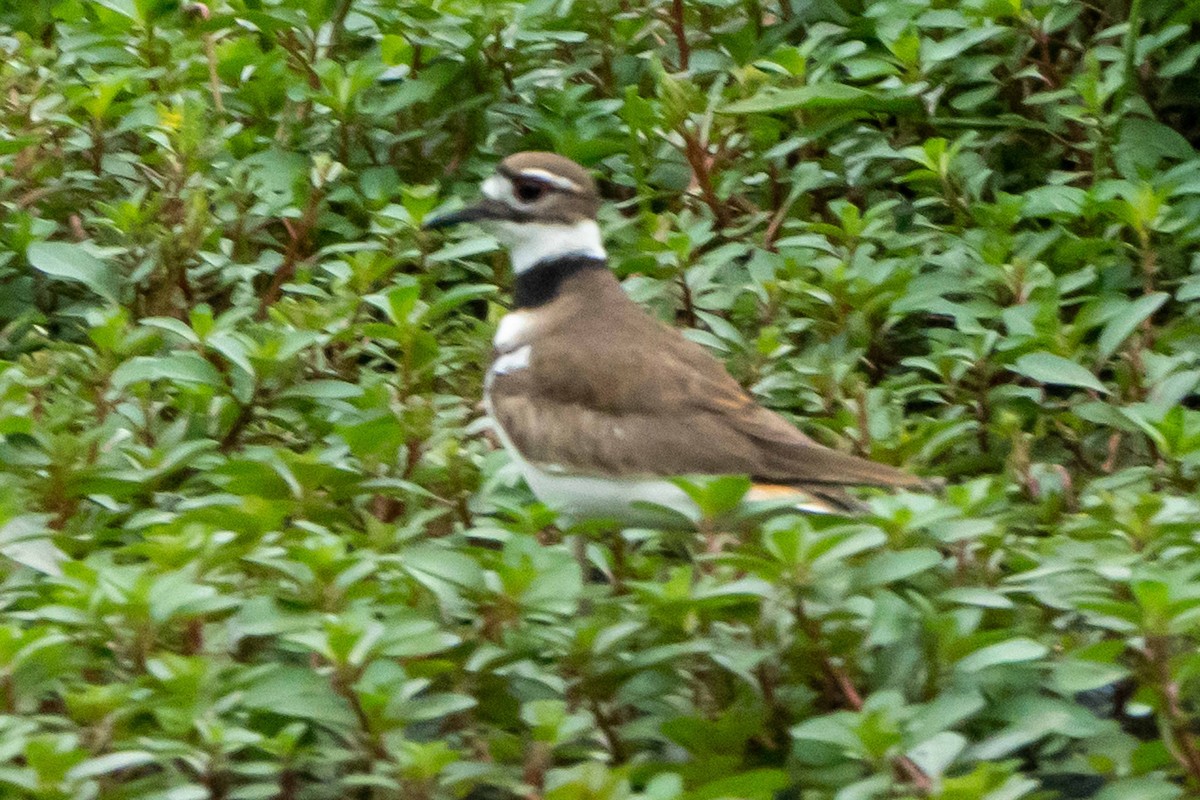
256 547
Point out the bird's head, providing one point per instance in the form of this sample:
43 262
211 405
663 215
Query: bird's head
541 205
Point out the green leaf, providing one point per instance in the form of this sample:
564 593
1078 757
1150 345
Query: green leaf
71 262
181 367
888 567
936 754
110 762
432 565
716 496
324 390
758 784
1054 201
1147 787
453 299
1118 329
977 596
1012 651
1074 675
1053 369
297 692
172 325
26 539
823 97
1144 142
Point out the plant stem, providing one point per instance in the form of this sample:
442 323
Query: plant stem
904 766
697 157
299 243
680 31
1185 750
1107 144
1131 39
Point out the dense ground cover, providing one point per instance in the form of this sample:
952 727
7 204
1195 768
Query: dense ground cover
255 545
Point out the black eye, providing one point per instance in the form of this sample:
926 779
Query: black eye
528 190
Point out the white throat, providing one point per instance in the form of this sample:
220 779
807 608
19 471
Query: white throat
531 242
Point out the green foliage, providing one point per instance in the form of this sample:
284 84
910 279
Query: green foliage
255 546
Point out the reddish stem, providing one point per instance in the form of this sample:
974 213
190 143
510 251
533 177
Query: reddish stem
298 246
904 766
697 157
680 31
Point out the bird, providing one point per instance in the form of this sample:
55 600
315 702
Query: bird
604 407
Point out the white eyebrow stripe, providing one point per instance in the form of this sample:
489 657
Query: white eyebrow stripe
551 178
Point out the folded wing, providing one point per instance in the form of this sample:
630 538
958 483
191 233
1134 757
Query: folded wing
650 402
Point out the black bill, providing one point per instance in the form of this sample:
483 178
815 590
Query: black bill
483 210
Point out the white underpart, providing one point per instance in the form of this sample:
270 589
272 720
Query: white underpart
631 500
512 347
579 497
512 361
531 242
513 330
634 501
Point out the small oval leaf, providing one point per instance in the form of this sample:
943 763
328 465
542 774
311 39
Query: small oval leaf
1048 368
71 262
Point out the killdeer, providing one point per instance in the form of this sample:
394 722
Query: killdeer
600 404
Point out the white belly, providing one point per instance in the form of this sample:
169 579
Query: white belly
635 501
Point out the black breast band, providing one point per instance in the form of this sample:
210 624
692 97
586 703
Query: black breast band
540 283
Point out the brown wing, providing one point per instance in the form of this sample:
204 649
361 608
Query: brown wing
626 395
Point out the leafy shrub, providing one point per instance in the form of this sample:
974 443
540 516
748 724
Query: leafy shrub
256 547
